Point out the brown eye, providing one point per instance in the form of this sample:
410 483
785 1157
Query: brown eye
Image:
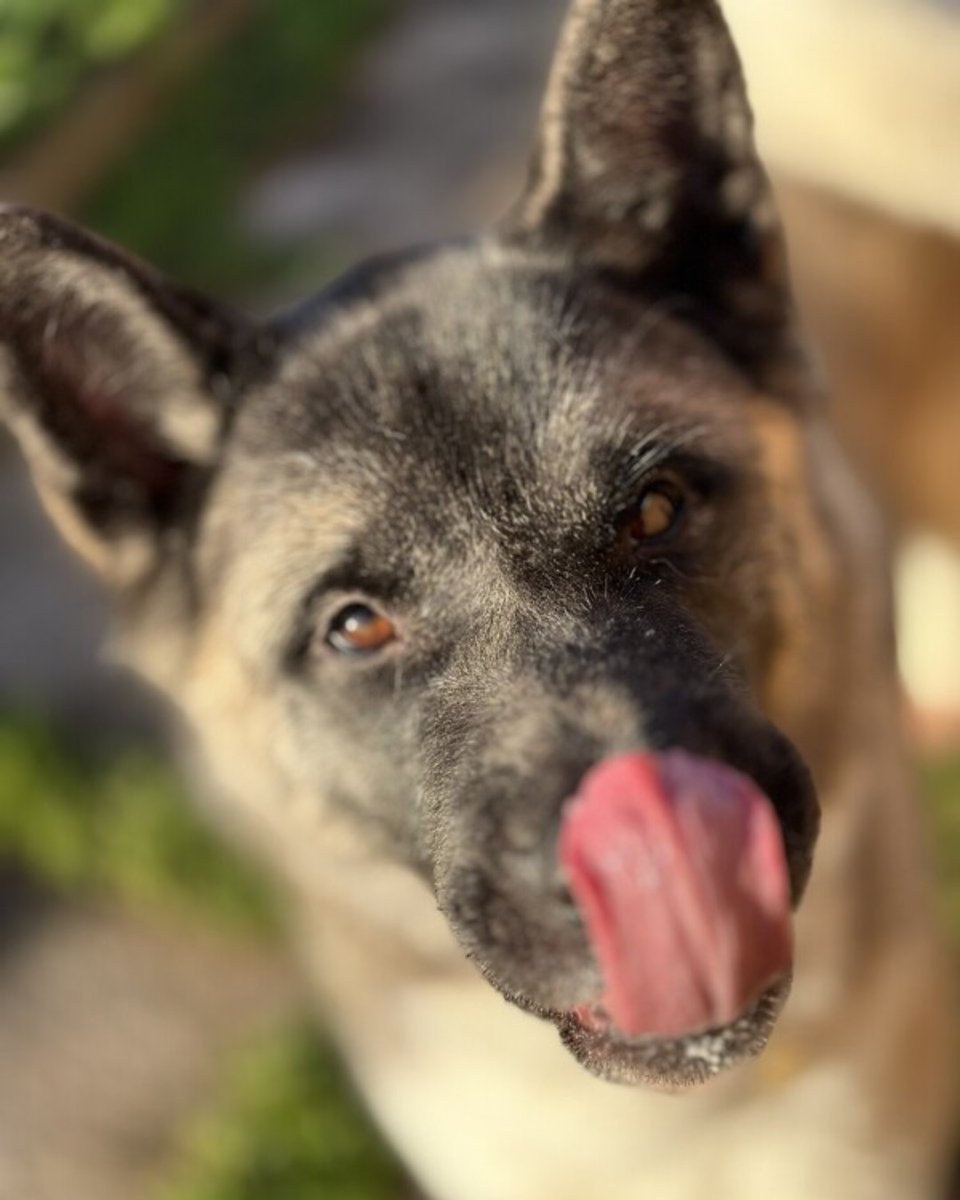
360 630
657 514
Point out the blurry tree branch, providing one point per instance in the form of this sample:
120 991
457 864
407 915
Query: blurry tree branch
62 166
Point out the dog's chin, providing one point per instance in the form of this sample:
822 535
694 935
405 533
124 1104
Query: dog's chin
665 1064
669 1064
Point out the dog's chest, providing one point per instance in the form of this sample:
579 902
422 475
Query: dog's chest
484 1103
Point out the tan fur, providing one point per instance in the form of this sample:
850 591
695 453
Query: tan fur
868 166
882 298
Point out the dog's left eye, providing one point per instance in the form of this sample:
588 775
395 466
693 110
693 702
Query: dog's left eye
657 513
360 630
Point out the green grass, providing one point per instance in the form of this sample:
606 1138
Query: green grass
286 1126
120 829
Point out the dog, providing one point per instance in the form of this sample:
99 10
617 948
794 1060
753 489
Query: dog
530 624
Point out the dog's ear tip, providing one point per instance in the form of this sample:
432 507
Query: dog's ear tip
17 217
12 211
26 228
19 222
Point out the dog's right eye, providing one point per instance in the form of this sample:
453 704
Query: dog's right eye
360 630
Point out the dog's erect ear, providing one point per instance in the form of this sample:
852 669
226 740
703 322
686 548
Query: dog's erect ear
646 166
117 384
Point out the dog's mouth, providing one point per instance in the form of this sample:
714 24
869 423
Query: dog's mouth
677 866
669 1063
670 954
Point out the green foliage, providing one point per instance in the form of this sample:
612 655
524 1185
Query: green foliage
122 828
288 1127
48 46
173 199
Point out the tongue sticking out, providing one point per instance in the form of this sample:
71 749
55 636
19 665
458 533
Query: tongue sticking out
677 866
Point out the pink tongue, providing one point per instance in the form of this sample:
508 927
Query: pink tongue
677 866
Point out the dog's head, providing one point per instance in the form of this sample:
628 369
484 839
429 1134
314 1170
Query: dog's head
514 552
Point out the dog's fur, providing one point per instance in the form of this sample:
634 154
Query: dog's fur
459 437
882 297
867 169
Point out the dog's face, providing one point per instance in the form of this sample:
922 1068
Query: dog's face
483 522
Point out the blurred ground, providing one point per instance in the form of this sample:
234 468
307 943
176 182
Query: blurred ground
111 1028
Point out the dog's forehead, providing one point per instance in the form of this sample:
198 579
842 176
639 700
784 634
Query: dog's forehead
468 413
479 348
468 400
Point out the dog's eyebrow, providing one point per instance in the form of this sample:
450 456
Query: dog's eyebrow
629 465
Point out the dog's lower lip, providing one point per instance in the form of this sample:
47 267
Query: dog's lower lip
670 1064
593 1018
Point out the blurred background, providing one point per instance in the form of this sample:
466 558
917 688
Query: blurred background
154 1036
